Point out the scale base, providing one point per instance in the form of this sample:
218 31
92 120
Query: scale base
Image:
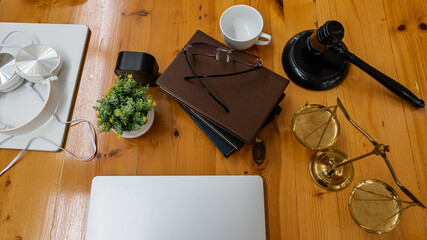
321 165
314 73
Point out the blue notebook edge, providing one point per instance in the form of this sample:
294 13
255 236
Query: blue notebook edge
214 134
226 143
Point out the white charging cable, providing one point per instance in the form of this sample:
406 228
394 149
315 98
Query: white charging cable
92 133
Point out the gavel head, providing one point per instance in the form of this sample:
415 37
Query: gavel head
309 58
328 35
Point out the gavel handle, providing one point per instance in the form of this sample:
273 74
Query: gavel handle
386 81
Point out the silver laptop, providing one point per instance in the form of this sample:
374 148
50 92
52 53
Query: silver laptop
176 208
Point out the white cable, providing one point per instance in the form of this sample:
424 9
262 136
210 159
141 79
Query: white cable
3 44
5 140
92 133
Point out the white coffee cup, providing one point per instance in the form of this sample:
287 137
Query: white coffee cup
241 26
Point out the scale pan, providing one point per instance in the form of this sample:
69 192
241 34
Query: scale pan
315 126
375 206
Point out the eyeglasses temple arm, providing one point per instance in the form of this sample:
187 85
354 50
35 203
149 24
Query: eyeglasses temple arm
204 87
223 75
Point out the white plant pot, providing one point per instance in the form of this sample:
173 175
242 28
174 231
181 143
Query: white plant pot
144 128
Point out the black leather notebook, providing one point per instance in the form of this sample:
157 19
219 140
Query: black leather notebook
250 97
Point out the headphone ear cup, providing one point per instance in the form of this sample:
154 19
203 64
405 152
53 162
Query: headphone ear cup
11 85
37 62
9 80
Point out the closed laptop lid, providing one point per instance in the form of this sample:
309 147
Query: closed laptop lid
176 207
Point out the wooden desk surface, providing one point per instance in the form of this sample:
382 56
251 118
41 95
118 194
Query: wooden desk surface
46 195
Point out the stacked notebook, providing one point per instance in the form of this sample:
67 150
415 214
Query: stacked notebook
252 98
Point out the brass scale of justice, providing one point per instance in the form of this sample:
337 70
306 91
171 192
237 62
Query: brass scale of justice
373 204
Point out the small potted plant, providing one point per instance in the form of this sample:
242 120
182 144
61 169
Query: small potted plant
125 108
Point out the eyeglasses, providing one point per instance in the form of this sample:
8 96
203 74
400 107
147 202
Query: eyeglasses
231 55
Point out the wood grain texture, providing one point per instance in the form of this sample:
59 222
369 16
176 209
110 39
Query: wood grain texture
46 195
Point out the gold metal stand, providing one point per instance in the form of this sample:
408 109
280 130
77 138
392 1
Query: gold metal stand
317 128
325 174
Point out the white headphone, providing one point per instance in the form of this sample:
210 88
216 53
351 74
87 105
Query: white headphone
38 64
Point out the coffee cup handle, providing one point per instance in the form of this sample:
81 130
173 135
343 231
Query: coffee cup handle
261 42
